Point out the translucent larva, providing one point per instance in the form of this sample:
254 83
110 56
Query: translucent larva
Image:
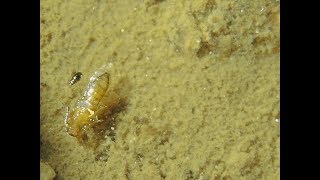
93 107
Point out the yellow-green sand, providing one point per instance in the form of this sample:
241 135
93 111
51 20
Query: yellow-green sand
201 79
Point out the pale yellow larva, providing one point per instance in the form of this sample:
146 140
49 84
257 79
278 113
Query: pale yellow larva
84 112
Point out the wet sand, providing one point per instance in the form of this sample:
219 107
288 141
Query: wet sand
200 78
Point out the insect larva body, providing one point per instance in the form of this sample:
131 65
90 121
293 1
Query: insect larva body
96 90
89 109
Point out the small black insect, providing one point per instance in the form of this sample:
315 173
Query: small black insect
75 78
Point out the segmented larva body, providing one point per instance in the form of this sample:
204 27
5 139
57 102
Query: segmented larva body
96 90
86 109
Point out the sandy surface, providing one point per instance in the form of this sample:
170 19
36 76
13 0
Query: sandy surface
46 171
201 79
